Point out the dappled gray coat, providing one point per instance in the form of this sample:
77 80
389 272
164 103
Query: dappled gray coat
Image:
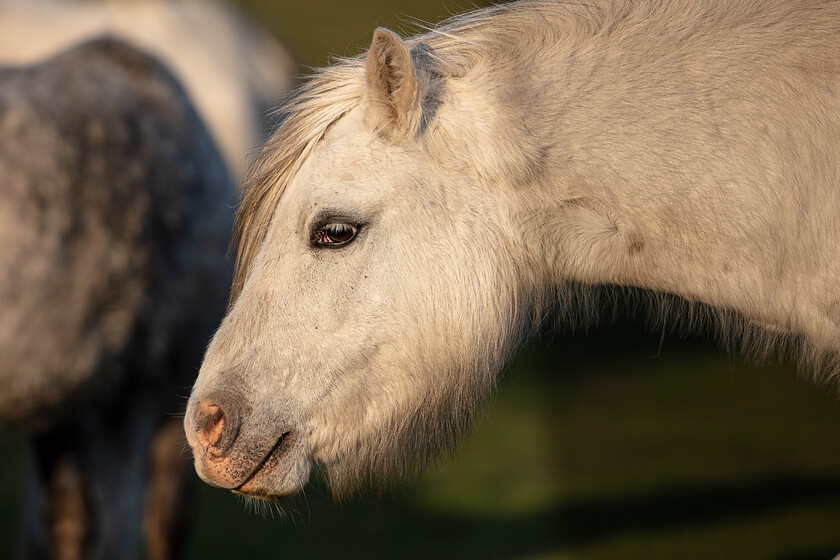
115 210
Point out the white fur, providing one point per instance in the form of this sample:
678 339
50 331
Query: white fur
687 149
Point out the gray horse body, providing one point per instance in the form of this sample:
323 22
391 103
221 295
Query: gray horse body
114 217
422 207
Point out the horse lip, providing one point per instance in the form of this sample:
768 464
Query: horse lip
280 447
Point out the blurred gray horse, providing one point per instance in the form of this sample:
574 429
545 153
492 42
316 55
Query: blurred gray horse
115 210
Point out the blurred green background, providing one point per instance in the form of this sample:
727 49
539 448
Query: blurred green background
601 445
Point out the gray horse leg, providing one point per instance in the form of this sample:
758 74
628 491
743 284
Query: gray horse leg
58 526
170 492
86 495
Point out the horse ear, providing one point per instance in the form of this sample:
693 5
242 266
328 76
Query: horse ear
392 84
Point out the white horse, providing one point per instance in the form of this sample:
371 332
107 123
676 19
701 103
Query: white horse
232 69
422 207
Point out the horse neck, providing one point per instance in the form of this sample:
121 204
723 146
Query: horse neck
641 185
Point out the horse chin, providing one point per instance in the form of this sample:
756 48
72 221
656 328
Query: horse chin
283 471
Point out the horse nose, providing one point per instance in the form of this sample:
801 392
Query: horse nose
215 425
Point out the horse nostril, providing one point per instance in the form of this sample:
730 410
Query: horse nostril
215 429
211 425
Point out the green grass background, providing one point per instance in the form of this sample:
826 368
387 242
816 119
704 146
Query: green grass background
592 447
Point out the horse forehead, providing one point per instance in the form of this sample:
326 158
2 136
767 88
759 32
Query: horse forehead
356 163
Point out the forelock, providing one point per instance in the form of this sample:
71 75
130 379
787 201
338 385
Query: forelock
304 120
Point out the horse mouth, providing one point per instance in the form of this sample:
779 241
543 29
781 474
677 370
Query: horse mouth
262 472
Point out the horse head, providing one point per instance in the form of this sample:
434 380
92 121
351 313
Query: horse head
363 221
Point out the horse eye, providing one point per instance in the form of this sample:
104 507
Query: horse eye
335 234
